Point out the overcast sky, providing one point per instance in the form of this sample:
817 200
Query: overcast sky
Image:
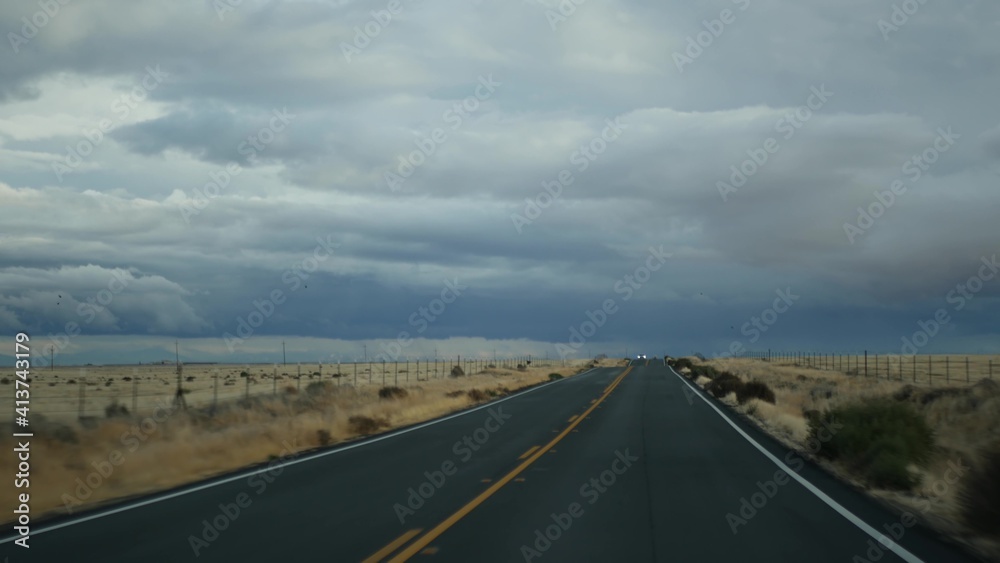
336 174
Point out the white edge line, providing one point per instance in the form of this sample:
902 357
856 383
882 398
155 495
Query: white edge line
309 457
847 514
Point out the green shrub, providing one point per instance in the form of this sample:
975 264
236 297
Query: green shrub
979 494
555 376
706 371
724 384
681 363
877 439
754 390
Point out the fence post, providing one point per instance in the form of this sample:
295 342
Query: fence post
298 375
83 391
876 367
274 379
395 376
866 363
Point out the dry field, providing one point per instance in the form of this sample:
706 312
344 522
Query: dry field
965 420
159 449
920 370
67 393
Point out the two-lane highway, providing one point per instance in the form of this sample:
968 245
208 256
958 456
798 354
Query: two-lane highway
613 465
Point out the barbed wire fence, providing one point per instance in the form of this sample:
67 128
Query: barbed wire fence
103 391
921 369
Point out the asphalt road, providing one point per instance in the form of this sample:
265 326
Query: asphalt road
612 465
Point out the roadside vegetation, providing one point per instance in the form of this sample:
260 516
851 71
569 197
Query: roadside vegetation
931 451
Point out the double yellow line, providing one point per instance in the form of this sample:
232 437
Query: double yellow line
450 521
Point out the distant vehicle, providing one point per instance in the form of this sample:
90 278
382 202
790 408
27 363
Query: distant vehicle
641 357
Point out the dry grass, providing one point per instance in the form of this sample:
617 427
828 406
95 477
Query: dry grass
187 446
965 420
56 393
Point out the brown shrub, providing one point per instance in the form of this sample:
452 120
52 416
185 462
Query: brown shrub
323 437
392 393
364 425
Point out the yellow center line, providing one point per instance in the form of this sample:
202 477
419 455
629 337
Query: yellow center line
529 452
572 418
441 528
396 544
